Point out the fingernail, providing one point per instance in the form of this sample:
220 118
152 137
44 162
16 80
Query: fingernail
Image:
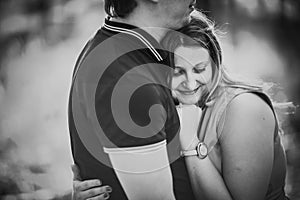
99 182
106 195
108 189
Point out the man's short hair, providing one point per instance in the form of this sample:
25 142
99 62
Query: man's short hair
119 8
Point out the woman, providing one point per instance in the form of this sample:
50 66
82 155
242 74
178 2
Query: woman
238 124
238 150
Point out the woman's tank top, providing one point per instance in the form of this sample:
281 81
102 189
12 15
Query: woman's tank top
210 131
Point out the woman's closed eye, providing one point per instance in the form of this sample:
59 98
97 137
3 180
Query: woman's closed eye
178 71
198 70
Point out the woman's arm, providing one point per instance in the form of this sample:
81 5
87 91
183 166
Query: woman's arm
248 147
247 154
206 181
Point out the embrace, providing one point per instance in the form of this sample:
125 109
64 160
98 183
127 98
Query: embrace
153 114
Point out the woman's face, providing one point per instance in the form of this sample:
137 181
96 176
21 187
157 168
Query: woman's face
192 76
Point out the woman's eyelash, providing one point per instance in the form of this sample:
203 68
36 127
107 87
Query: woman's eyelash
199 70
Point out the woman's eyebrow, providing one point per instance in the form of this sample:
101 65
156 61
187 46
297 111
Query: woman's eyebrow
178 66
202 64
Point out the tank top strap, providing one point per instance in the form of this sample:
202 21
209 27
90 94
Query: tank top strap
230 93
209 129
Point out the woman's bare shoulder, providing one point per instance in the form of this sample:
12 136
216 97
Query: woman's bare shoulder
250 105
246 111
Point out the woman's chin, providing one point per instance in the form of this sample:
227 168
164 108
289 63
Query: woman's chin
188 101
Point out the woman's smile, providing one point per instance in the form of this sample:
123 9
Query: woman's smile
189 92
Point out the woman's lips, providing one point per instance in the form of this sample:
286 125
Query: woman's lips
189 92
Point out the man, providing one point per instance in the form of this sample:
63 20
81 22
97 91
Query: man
118 133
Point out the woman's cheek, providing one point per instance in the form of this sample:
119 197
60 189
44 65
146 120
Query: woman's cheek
202 78
175 83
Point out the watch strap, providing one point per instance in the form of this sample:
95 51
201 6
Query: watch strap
201 151
189 153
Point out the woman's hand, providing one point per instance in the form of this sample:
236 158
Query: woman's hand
189 122
89 189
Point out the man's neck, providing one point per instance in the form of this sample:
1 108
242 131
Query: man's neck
153 29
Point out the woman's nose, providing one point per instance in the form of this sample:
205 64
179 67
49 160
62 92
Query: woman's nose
190 82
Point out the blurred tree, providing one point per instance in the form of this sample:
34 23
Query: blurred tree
21 21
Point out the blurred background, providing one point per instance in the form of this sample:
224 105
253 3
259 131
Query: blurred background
40 41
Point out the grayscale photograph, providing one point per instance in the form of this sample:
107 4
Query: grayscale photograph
149 100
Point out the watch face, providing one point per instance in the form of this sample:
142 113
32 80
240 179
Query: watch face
202 150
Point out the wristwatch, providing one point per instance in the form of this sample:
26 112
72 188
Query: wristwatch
201 151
